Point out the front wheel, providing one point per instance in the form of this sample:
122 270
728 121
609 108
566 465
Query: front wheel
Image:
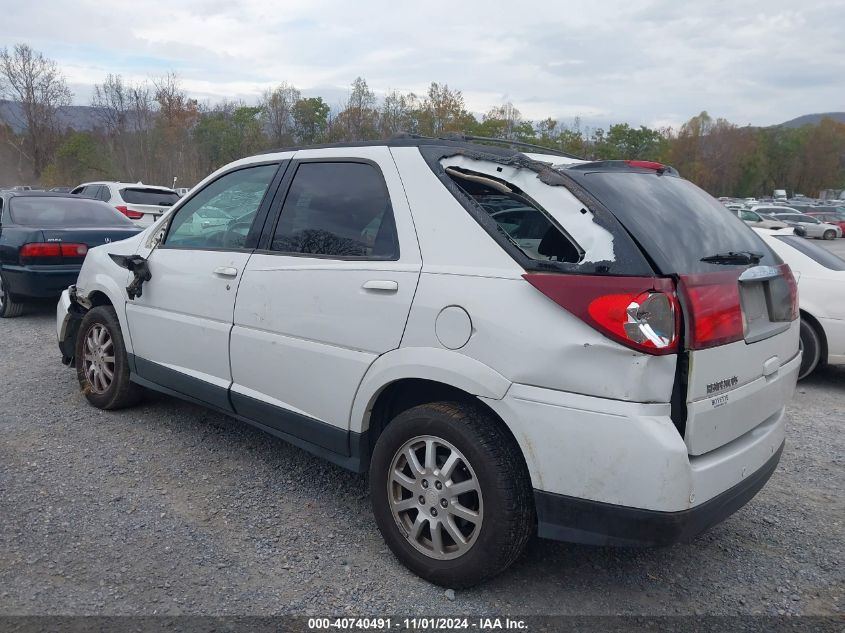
451 493
811 346
830 235
102 366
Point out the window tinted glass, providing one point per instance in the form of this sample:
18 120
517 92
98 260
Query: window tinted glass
221 214
135 195
749 215
816 253
90 191
337 210
61 212
104 194
676 222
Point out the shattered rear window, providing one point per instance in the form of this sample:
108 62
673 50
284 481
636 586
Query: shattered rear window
546 223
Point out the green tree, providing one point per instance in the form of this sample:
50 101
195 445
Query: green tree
80 157
443 111
310 120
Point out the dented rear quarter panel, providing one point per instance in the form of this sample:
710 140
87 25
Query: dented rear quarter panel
529 339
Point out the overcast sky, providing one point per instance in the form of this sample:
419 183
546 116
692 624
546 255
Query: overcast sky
645 62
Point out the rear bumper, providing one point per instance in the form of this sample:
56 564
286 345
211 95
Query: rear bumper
567 518
40 282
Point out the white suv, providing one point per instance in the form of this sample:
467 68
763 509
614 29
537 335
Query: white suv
139 202
509 343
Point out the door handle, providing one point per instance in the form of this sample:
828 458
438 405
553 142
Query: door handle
381 285
226 271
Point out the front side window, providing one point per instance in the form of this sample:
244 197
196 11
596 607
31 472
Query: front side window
221 214
337 210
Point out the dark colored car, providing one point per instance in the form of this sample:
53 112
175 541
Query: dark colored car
44 238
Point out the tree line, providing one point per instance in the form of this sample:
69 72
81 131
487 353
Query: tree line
152 131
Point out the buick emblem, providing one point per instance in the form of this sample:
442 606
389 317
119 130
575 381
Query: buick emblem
108 239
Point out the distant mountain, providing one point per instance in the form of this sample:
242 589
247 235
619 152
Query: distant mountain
814 119
74 117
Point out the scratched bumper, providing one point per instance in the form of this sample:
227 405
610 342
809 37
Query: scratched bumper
582 521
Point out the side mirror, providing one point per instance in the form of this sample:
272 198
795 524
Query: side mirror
136 265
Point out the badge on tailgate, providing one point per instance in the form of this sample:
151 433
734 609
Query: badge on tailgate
721 385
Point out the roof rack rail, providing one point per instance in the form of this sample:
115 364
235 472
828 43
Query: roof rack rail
503 141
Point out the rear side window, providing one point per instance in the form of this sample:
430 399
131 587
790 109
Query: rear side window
90 191
676 223
520 218
818 254
154 197
65 212
337 210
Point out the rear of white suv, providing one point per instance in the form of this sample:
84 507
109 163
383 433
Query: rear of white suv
144 204
596 352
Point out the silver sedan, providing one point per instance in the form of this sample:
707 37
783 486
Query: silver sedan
813 226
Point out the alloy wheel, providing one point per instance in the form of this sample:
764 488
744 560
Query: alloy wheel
98 359
435 497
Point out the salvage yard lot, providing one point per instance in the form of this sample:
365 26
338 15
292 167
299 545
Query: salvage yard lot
168 508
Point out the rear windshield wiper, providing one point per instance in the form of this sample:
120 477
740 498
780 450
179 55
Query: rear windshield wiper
734 257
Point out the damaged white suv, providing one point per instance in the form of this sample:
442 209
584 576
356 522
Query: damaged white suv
510 343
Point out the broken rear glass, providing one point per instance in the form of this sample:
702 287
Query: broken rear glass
545 222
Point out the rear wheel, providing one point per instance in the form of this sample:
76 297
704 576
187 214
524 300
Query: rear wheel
9 308
830 235
811 346
102 366
451 494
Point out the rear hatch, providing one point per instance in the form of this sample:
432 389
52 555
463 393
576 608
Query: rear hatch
146 204
738 299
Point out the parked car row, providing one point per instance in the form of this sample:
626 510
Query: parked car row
826 223
508 343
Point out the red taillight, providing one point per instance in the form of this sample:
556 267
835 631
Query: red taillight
132 215
715 312
74 250
646 164
51 250
40 251
639 312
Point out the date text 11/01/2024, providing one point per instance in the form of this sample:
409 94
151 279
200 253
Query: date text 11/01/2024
422 623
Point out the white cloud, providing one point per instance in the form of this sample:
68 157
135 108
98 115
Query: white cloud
644 62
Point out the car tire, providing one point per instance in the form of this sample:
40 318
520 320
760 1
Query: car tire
829 235
9 307
102 365
492 517
811 346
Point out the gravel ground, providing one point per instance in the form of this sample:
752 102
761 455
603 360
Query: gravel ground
170 509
